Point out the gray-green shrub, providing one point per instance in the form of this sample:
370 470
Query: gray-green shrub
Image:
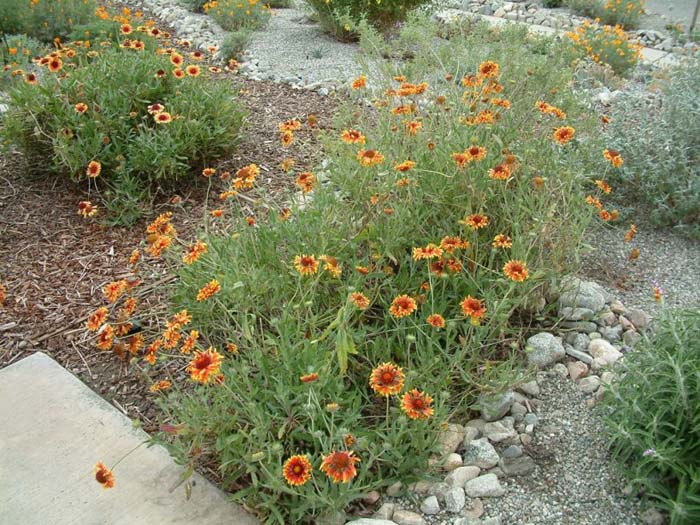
653 416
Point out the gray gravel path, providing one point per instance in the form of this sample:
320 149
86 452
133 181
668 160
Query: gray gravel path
667 258
574 483
295 50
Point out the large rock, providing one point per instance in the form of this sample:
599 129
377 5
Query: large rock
480 453
495 406
639 318
544 349
603 350
451 438
430 506
486 486
498 431
576 293
406 517
459 476
517 466
455 499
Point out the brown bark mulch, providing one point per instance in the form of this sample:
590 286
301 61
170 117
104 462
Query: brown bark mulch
54 263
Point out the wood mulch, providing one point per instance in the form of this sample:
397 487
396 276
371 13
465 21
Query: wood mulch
54 263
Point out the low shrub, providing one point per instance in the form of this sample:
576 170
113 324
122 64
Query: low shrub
552 3
658 135
44 20
16 54
625 13
653 416
340 332
604 44
99 123
340 17
234 44
233 14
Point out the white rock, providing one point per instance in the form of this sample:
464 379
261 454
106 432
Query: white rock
451 438
394 489
459 476
486 486
430 506
531 388
406 517
577 369
589 384
498 431
452 461
481 454
455 499
544 349
602 349
385 512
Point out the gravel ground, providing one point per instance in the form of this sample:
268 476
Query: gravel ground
574 482
294 49
669 259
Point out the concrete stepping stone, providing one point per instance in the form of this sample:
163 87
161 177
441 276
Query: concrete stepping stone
54 429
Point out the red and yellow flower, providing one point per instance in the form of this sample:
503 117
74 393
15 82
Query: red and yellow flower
104 476
306 264
516 270
205 365
387 379
473 308
402 306
417 404
208 290
297 470
436 320
340 466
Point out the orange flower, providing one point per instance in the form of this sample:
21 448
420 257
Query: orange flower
178 73
386 379
129 307
402 306
476 152
605 119
156 108
204 365
93 169
634 254
417 404
135 344
287 164
594 202
289 125
197 55
208 172
360 300
193 71
502 241
297 470
96 319
500 172
431 251
436 320
209 289
613 157
31 78
369 157
631 233
605 215
55 64
309 378
3 294
488 69
402 110
603 186
332 266
564 134
306 264
306 181
352 136
287 138
114 290
474 308
516 270
161 385
80 107
359 82
363 270
176 59
475 221
462 159
413 126
340 466
194 252
86 209
658 294
105 338
232 347
404 166
163 118
190 342
159 245
126 29
450 244
104 476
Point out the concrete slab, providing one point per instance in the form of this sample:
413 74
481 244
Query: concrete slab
54 429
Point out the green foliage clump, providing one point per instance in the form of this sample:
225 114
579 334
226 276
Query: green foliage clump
658 135
625 13
234 15
44 20
653 416
604 44
391 230
340 17
100 112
